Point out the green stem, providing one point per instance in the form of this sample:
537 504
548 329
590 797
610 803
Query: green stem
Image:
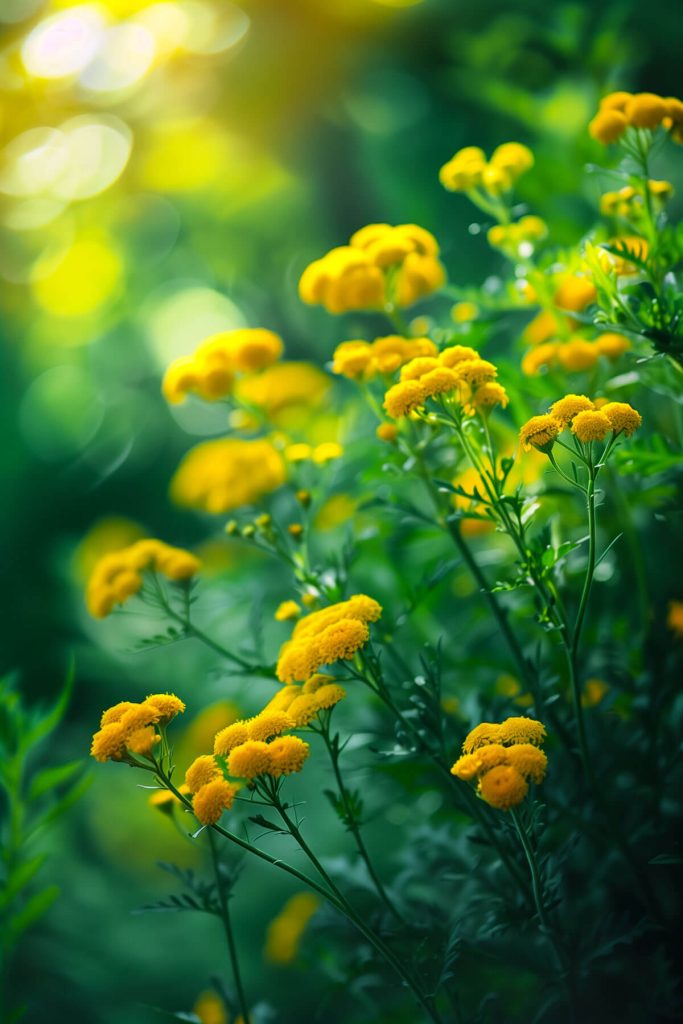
563 965
352 823
331 894
426 1002
227 926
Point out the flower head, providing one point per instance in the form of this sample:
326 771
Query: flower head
109 744
520 729
591 425
286 611
212 799
539 432
250 759
167 704
529 761
287 755
218 476
202 771
230 737
503 787
118 574
623 418
565 409
268 724
404 398
286 930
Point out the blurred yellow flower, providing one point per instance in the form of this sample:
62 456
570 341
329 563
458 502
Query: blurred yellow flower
286 930
218 476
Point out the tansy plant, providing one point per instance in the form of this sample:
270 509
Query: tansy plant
497 474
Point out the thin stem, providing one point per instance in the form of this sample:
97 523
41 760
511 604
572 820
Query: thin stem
379 944
227 926
546 928
353 825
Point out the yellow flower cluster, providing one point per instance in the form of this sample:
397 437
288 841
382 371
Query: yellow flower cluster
469 168
645 110
502 758
458 372
286 930
326 636
382 264
301 704
511 237
320 454
211 371
362 360
574 355
588 421
117 575
628 202
217 476
128 728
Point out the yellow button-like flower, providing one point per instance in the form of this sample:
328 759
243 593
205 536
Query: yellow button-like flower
218 476
645 110
117 575
286 930
404 397
286 611
202 771
608 126
503 787
212 799
287 755
539 432
612 345
268 724
167 704
249 760
565 409
623 418
230 737
591 425
387 432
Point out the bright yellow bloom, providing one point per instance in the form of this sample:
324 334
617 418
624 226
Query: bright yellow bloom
268 724
109 743
577 354
117 575
621 266
575 293
480 736
139 716
142 741
303 709
287 610
286 930
217 476
457 354
615 101
565 409
166 801
542 328
115 713
440 381
468 168
623 418
536 358
284 390
287 755
202 771
404 397
520 729
529 761
210 372
488 395
212 799
503 787
607 126
591 425
539 432
352 359
230 737
328 696
464 312
645 110
327 451
489 756
299 452
475 371
417 368
167 704
387 432
612 345
250 759
326 636
466 767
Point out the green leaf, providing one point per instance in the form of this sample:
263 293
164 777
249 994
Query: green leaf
34 908
51 778
666 858
20 877
48 722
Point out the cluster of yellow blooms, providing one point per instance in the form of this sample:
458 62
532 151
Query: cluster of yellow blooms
469 169
285 930
117 575
457 372
253 747
381 265
363 360
320 453
550 337
627 202
588 421
211 371
502 758
511 237
216 476
622 110
326 636
129 728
